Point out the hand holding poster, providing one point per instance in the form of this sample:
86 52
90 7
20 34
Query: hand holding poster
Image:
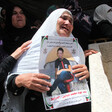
57 57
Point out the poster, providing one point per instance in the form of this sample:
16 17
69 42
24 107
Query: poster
57 56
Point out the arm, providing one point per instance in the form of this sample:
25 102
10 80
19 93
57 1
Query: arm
8 64
11 86
33 81
69 69
56 70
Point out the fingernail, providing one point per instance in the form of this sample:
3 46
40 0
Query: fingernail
48 89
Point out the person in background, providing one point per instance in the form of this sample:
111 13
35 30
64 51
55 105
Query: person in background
3 13
51 9
17 30
36 24
7 65
103 19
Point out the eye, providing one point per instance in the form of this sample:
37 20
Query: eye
64 17
71 22
14 13
67 18
21 12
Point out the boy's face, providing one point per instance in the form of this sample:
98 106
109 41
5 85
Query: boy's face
60 54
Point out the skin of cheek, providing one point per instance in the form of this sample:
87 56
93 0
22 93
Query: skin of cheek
17 24
62 32
59 30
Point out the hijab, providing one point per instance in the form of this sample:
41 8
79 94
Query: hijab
29 61
14 37
103 12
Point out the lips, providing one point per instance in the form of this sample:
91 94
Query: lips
65 28
19 20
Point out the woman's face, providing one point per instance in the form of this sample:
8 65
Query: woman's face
18 18
64 25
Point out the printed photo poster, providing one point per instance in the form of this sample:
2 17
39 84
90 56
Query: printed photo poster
57 56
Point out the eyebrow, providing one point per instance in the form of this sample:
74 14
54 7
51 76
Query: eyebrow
67 16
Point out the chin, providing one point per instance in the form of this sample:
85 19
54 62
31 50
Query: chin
64 35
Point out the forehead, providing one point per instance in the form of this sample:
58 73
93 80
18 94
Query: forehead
16 8
67 14
59 51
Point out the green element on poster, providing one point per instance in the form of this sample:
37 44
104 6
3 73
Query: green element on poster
49 105
75 40
44 38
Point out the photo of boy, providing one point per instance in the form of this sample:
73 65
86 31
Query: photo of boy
62 73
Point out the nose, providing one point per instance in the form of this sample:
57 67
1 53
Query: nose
18 14
67 22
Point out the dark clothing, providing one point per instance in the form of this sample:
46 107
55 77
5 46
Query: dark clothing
3 54
101 30
82 29
16 37
59 65
5 67
12 86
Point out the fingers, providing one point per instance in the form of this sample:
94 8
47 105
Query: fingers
40 88
43 76
34 81
80 71
89 52
16 54
42 82
77 66
25 44
83 77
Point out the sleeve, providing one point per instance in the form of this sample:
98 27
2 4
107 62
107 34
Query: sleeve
56 64
68 63
6 66
11 86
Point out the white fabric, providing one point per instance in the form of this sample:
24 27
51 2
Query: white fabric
29 61
101 13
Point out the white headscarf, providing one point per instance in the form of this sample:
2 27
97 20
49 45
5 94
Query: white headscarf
101 13
0 12
29 61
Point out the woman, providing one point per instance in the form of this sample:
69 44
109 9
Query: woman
103 19
103 12
7 65
59 23
17 30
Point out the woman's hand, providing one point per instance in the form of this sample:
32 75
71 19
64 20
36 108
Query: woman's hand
19 51
80 71
33 81
89 52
